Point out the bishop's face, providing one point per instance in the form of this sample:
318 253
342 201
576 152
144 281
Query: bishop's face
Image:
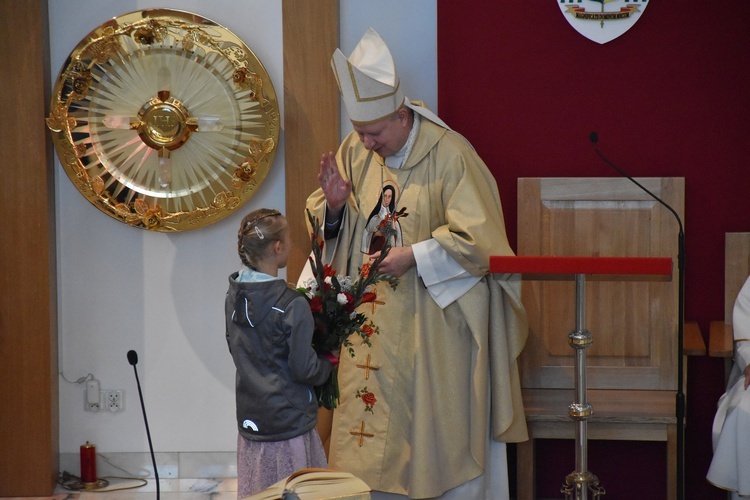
386 137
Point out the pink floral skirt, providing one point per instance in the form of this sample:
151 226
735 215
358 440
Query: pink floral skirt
263 463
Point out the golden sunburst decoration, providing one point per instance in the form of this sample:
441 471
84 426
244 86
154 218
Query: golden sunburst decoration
164 120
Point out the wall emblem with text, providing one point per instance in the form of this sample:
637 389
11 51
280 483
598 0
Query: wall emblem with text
602 20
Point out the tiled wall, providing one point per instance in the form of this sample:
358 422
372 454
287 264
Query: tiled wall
198 472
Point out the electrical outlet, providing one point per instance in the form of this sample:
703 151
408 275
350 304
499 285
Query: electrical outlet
103 400
114 400
93 397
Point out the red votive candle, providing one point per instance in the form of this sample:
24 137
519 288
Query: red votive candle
88 463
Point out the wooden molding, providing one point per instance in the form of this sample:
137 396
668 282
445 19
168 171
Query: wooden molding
29 422
311 109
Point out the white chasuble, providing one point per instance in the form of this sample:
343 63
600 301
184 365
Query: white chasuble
415 415
730 466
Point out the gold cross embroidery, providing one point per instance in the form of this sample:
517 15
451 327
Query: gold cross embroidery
367 367
376 302
361 433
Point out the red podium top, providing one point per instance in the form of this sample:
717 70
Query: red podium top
553 267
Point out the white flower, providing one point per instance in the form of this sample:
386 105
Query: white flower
345 282
311 285
341 298
328 280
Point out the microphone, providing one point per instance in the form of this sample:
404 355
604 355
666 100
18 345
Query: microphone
133 360
680 397
594 138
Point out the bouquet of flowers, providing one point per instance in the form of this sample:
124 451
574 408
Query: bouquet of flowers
333 300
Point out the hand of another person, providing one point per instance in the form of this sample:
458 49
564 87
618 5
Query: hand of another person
335 188
397 262
332 356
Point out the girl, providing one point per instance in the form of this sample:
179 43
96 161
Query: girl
269 332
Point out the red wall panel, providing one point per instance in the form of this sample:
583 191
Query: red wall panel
668 98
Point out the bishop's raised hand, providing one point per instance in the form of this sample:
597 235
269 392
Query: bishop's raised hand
335 188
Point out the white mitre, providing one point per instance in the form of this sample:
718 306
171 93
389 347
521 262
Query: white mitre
367 80
369 84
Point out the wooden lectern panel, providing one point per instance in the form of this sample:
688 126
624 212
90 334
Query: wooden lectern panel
736 269
633 323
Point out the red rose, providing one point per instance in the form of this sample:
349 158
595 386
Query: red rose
349 302
367 330
368 398
316 304
365 272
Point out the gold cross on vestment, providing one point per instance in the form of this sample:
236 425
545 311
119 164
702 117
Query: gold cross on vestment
367 367
361 433
379 302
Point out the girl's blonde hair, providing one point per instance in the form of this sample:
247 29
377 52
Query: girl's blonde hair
258 230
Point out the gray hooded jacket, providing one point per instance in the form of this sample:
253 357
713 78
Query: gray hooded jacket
269 332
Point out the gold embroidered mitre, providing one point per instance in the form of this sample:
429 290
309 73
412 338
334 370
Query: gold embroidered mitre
367 80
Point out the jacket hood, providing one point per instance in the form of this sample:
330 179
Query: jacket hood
253 300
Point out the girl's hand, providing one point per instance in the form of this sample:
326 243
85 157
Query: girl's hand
332 356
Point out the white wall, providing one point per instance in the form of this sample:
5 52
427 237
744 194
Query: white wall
410 30
121 288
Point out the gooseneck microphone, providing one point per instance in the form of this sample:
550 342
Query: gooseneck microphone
133 360
594 138
680 397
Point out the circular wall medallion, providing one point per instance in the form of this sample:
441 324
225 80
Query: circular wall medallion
164 120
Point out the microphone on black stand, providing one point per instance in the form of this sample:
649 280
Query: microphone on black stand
680 398
133 360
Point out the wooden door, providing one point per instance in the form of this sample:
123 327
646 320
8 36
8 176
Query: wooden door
633 323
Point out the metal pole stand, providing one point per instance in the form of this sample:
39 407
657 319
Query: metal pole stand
578 483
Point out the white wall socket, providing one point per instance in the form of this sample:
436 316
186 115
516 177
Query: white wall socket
103 400
114 400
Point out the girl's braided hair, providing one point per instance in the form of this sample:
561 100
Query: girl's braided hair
258 230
